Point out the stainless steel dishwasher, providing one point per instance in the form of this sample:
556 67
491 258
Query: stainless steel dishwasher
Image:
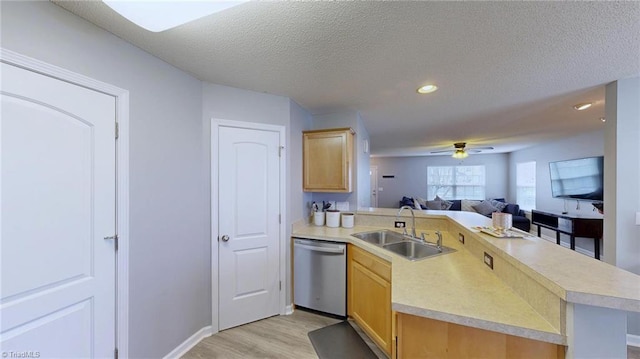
320 276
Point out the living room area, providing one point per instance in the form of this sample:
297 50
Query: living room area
520 178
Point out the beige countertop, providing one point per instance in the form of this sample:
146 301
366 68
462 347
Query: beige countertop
459 288
455 287
570 275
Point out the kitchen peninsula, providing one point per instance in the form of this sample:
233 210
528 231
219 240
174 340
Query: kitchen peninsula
536 296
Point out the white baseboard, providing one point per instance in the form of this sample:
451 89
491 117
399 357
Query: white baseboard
633 340
288 310
191 342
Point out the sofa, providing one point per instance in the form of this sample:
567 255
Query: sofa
519 220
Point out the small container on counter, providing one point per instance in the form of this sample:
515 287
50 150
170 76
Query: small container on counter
347 219
333 218
501 221
318 218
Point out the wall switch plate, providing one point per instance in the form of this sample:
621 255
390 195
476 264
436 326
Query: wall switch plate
461 238
488 260
400 224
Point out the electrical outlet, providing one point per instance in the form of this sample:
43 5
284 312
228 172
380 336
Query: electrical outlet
400 224
461 238
488 260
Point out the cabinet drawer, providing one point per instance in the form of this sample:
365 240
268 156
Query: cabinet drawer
378 266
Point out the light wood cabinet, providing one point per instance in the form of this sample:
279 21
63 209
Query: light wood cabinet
420 337
327 160
369 295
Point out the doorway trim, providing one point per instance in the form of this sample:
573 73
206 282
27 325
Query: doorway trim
373 172
216 123
122 177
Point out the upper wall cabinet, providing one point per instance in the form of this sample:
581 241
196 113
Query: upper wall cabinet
328 160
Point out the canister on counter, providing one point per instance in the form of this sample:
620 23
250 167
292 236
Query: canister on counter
333 218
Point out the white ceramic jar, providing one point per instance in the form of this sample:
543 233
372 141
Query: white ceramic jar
333 218
318 218
348 219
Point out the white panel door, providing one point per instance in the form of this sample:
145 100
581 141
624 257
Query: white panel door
248 210
373 174
57 196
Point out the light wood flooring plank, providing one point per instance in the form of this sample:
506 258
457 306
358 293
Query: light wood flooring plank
276 337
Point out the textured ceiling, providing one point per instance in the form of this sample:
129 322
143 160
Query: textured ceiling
508 72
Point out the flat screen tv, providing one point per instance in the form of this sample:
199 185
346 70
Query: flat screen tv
580 179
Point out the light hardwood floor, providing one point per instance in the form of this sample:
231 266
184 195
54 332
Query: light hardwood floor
283 336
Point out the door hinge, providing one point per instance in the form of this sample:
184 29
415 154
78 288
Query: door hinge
280 218
280 149
117 130
115 353
280 285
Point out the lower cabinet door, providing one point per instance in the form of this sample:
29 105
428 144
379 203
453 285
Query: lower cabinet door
420 337
370 300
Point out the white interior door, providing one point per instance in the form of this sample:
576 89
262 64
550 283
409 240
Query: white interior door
373 172
248 222
57 205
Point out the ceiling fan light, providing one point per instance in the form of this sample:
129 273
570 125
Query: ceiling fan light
162 15
460 154
582 106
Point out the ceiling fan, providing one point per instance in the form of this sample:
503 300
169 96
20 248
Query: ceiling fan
460 150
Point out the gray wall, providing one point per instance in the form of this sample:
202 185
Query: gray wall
363 165
411 175
229 103
622 181
169 263
340 120
297 209
583 145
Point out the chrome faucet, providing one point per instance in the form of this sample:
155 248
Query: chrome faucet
413 221
438 241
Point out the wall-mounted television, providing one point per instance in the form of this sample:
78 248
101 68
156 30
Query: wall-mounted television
580 179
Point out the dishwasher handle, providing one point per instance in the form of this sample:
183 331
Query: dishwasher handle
338 250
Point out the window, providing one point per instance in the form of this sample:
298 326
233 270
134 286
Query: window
526 185
456 182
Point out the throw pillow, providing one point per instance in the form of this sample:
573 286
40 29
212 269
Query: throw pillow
498 204
416 204
485 208
467 205
514 209
437 205
406 201
445 204
423 202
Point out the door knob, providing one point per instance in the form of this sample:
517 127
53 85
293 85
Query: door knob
225 238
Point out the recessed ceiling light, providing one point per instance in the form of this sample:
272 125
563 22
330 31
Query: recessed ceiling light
582 106
158 16
603 119
427 89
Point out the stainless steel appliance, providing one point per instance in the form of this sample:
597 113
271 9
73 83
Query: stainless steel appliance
320 276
